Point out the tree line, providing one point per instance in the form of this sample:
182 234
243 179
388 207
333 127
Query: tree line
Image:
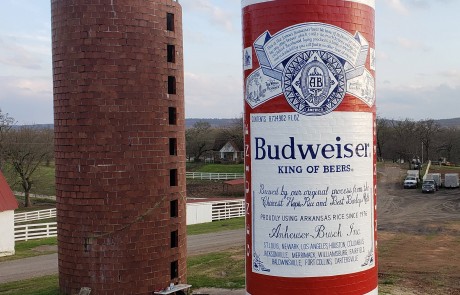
24 149
397 140
424 139
201 140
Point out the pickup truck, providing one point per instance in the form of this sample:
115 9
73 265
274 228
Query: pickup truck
410 182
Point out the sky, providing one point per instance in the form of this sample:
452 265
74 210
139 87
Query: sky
417 48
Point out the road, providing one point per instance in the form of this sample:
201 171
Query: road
43 265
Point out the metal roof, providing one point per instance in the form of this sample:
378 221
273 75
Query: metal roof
7 199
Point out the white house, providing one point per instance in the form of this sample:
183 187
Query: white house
8 204
230 151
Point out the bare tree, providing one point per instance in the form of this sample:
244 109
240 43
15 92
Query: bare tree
383 135
199 139
232 132
25 149
448 144
404 139
236 131
426 131
6 123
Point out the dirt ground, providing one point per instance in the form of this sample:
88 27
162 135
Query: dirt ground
213 189
418 237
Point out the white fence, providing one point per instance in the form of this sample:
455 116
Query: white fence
213 176
228 209
35 231
201 212
34 215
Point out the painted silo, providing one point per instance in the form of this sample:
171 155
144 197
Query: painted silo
120 151
309 81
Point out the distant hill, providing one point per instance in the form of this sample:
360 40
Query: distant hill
38 126
216 123
455 122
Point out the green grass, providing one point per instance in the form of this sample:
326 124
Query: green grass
222 168
26 249
37 204
43 178
436 168
387 282
216 226
47 285
45 183
217 270
193 166
214 270
47 220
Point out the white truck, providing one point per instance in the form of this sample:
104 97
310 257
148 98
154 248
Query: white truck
451 180
436 177
410 182
412 179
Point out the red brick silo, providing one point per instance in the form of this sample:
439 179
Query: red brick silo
120 151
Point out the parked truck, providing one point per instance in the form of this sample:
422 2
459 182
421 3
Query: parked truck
412 179
451 180
436 177
414 173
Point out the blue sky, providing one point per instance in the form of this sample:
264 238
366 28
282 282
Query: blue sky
417 46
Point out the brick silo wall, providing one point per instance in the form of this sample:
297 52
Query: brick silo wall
120 150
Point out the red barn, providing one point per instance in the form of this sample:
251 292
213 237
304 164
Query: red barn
8 204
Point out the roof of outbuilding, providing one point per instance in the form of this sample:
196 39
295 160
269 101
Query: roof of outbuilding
7 199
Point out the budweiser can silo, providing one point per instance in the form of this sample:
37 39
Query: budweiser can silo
310 156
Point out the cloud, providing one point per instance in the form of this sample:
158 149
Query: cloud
418 103
213 96
405 6
451 73
12 54
27 100
426 4
381 55
216 14
419 3
194 36
398 6
411 44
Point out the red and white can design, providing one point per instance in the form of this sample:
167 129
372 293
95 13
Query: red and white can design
310 156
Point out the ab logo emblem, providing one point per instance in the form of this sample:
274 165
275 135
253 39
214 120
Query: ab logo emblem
314 82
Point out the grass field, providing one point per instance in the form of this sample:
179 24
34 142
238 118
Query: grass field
28 249
47 285
222 168
218 270
43 179
216 226
44 182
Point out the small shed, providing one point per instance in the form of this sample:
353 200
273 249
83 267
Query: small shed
8 204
